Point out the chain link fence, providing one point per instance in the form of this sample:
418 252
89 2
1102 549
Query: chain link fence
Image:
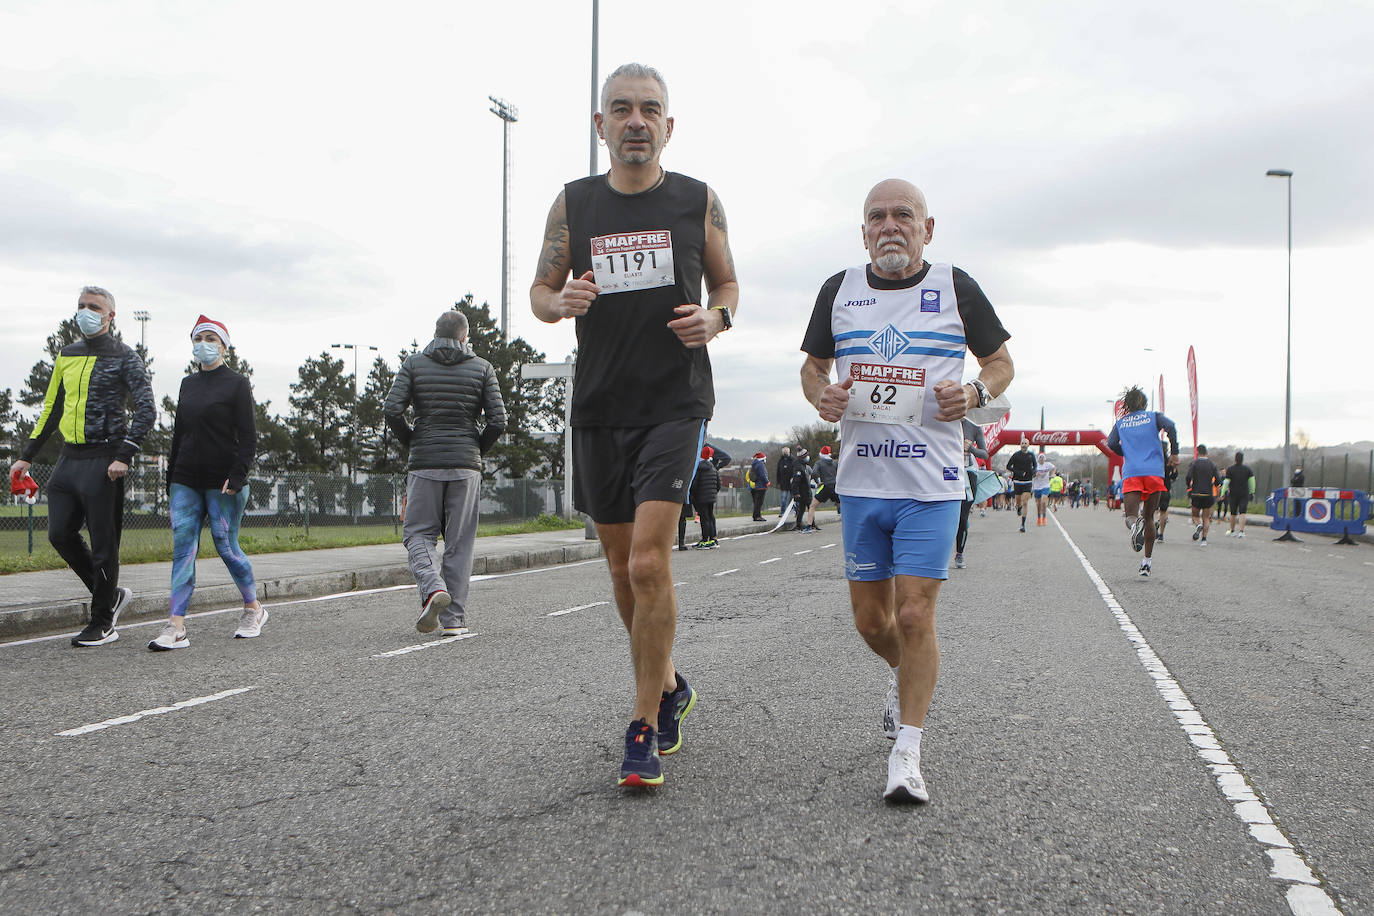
283 509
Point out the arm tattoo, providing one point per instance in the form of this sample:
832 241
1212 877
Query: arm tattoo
555 254
717 214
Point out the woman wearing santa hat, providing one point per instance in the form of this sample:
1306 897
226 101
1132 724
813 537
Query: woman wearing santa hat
213 441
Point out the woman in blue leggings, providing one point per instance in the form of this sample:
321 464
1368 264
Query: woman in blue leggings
213 442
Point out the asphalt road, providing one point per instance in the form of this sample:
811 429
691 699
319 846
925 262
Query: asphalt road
1076 765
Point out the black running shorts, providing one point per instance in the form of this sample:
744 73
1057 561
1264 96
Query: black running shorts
1021 486
1202 502
617 468
1238 503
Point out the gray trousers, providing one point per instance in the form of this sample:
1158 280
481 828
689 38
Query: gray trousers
448 508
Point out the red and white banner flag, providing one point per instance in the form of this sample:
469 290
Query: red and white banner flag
992 429
1192 394
1159 405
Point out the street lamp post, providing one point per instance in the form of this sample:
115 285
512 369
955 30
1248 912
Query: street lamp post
508 115
1287 175
596 102
352 468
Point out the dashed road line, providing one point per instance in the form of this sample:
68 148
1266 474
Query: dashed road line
1304 894
725 572
406 650
797 553
160 710
580 607
826 546
766 562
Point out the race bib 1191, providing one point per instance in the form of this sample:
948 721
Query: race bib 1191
633 260
886 394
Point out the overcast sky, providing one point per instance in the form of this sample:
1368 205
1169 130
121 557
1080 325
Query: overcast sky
328 173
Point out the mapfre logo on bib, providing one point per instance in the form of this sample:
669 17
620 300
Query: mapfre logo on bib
633 260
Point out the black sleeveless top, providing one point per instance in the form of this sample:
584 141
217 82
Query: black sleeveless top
631 368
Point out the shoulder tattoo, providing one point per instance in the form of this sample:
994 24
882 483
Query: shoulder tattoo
554 259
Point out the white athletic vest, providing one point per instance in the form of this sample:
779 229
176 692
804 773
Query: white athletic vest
897 344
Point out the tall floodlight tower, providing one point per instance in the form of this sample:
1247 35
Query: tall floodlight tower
508 115
142 317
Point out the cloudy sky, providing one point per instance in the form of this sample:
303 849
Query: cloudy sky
316 173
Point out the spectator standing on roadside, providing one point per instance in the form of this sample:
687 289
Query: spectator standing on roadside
214 439
801 487
705 488
449 389
93 379
1299 479
784 479
757 478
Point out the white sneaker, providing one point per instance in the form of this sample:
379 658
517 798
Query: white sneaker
170 638
1240 534
250 624
1145 568
892 709
453 631
904 782
434 604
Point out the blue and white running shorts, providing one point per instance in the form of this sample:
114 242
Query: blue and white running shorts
1039 492
904 537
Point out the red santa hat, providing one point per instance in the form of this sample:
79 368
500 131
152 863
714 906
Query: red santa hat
209 324
825 450
758 454
707 451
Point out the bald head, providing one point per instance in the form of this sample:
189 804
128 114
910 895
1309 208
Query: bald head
896 228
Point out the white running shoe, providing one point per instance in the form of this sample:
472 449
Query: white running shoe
892 709
1197 532
434 604
904 782
250 623
1202 543
453 631
1145 568
170 638
122 598
1240 534
1138 534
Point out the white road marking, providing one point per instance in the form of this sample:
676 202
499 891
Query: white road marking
580 607
766 562
1367 563
1305 549
725 572
1304 895
528 572
826 546
797 553
424 645
125 720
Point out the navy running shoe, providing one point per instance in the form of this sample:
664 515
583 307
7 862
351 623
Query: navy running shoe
641 768
672 709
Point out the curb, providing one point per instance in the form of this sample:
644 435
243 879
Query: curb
36 619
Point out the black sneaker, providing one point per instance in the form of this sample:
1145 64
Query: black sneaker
1197 532
672 709
95 635
641 768
1138 535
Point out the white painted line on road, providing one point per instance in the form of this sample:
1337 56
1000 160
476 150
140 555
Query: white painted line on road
1305 549
826 546
766 562
125 720
797 553
424 645
580 607
725 572
1367 563
1304 895
529 572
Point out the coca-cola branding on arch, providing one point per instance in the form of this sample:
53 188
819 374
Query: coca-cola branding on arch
1057 437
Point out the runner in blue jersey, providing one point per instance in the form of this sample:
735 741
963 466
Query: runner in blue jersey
1136 437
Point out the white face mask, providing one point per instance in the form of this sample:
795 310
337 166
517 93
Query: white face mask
205 352
88 321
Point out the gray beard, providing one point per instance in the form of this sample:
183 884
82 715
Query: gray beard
893 262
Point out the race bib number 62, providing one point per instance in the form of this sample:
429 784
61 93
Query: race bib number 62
633 260
887 394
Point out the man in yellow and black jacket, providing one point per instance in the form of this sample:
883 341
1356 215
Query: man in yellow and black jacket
92 379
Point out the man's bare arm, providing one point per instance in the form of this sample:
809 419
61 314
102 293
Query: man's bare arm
830 400
696 325
554 296
995 372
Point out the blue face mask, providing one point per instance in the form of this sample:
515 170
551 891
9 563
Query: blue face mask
206 353
89 322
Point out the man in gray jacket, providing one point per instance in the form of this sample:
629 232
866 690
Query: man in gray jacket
448 388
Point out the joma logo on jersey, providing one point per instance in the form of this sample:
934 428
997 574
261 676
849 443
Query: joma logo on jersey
888 342
930 300
890 448
855 303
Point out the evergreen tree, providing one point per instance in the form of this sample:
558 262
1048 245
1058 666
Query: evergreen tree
381 453
9 441
532 405
321 420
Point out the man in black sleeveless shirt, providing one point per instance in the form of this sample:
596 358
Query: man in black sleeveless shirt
624 255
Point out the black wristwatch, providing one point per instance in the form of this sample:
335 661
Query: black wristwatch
724 316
